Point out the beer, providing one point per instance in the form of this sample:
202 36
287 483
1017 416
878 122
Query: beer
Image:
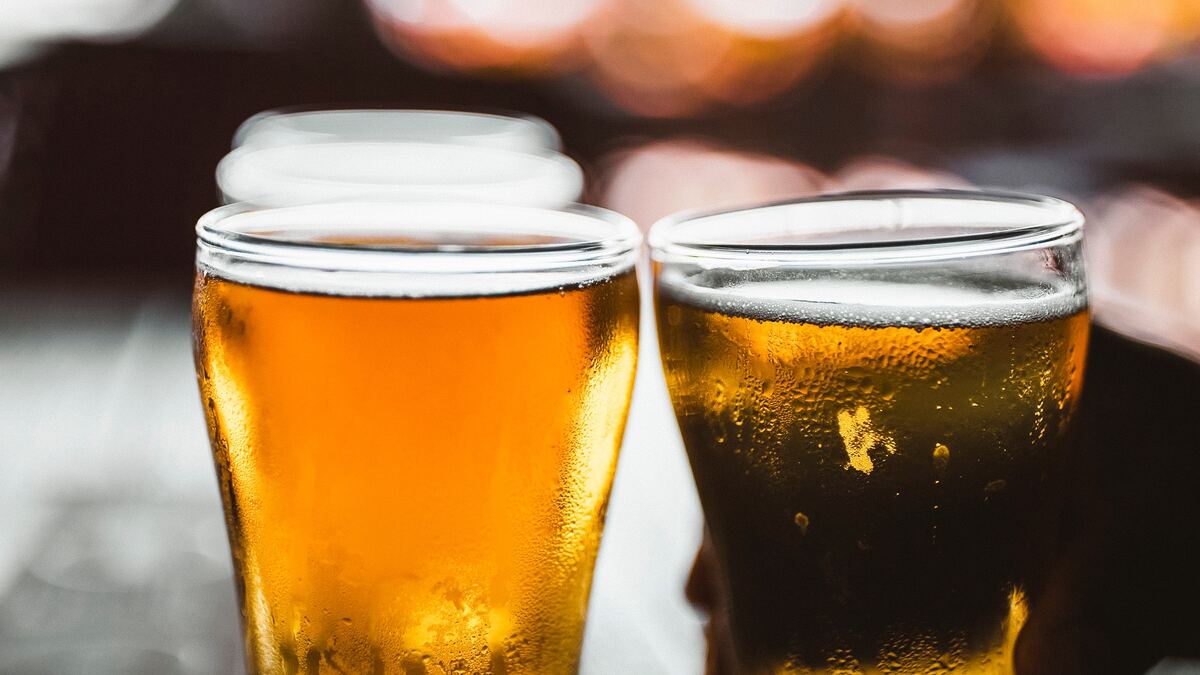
872 450
415 484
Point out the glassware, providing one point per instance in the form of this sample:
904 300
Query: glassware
415 411
874 390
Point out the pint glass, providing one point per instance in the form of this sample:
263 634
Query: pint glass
415 411
873 390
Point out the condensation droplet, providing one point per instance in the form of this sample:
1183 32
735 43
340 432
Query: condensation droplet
801 522
941 457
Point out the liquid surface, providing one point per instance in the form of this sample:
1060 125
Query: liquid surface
872 486
415 485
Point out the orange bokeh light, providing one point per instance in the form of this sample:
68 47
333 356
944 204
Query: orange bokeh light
663 177
675 57
924 40
1097 37
516 37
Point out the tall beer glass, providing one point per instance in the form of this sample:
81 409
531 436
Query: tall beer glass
415 411
873 390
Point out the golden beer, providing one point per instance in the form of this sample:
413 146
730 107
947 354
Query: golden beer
873 452
415 484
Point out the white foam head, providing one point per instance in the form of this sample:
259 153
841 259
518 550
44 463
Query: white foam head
524 133
296 174
415 249
917 298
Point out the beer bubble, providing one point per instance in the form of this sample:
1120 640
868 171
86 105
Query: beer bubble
801 522
941 457
843 662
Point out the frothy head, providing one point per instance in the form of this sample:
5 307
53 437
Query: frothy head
914 298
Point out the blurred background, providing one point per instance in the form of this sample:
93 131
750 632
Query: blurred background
114 114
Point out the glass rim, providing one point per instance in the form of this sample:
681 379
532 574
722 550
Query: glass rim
543 127
1060 223
613 237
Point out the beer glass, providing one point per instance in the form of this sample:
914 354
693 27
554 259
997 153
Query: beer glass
415 411
288 174
873 390
524 133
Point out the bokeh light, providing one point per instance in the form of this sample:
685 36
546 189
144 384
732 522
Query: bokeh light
1098 37
659 178
514 37
27 24
649 181
675 57
878 172
1143 257
924 40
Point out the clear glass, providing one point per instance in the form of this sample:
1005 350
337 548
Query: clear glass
415 411
306 173
297 126
874 390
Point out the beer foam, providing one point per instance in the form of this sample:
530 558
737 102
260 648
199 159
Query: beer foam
417 286
913 298
415 249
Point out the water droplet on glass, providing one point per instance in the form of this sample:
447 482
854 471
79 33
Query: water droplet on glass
801 522
941 457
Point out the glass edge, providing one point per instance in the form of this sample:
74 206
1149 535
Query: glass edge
1065 230
624 239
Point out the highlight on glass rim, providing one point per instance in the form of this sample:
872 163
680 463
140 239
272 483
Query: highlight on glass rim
594 337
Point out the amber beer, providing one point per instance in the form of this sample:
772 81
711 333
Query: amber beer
872 452
415 484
